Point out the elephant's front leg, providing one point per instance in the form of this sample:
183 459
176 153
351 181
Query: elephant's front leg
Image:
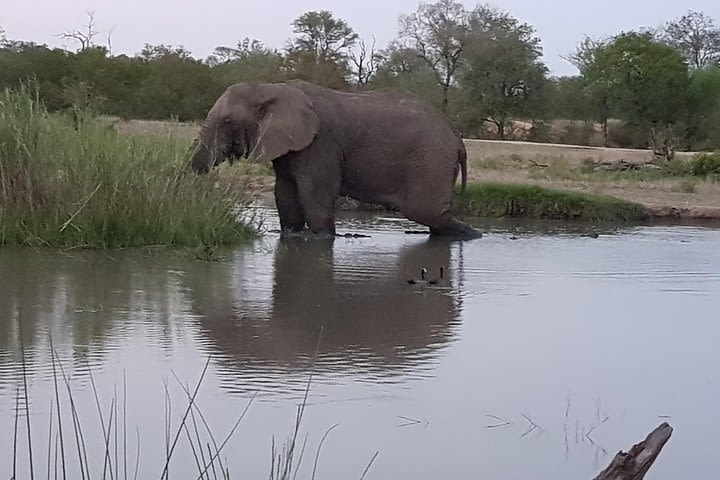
317 197
290 210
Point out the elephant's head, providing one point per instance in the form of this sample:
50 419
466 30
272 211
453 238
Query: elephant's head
255 121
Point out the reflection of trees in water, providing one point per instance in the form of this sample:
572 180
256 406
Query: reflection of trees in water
372 320
86 302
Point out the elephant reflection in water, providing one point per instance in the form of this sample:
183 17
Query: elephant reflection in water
368 315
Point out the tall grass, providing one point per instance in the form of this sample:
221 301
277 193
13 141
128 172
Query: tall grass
71 181
513 200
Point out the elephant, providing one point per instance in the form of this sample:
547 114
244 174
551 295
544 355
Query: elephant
376 147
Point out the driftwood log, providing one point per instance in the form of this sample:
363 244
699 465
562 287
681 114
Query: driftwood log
634 464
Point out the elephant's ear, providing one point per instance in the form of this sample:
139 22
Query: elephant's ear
288 122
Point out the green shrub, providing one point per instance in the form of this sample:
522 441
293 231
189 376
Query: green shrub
513 200
75 182
705 164
624 135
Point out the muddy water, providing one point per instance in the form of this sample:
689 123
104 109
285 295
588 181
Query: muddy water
540 355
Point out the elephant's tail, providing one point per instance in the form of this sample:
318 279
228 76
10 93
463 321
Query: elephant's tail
462 158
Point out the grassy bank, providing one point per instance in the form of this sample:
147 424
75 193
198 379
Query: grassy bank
71 181
515 200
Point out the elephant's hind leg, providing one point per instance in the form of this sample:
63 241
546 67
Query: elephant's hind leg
436 215
290 210
456 229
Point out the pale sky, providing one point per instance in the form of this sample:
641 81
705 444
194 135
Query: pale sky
200 26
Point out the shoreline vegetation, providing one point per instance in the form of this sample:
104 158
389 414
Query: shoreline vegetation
69 181
536 202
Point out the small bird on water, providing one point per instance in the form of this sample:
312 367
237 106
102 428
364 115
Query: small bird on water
423 280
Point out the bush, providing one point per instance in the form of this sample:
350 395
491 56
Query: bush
705 164
624 135
577 133
75 182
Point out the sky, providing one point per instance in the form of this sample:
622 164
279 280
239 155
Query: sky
200 26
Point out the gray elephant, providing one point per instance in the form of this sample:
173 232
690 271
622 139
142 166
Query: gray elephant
375 147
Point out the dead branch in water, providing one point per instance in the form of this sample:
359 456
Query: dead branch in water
634 464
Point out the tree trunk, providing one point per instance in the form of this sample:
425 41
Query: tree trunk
605 132
501 129
634 464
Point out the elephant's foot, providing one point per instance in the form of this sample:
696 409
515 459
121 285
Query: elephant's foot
306 235
456 230
321 225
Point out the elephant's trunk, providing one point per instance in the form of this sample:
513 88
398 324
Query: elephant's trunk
201 160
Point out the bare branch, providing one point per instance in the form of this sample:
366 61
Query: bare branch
365 62
83 37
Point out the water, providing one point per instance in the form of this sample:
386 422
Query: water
542 354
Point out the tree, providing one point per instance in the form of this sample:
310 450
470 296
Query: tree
696 37
84 37
157 52
643 81
704 109
567 99
324 36
584 54
503 77
319 52
365 62
402 69
595 67
174 84
249 61
437 32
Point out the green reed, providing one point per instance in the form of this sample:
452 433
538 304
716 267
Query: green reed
70 180
514 200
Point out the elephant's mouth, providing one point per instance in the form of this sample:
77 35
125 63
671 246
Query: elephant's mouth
240 149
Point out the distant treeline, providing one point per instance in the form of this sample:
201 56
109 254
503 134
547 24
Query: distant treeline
482 67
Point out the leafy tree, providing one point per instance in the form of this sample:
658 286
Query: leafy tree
437 32
566 99
584 54
402 69
650 79
644 81
504 77
248 61
326 37
175 84
704 108
24 61
319 52
696 37
595 69
162 51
